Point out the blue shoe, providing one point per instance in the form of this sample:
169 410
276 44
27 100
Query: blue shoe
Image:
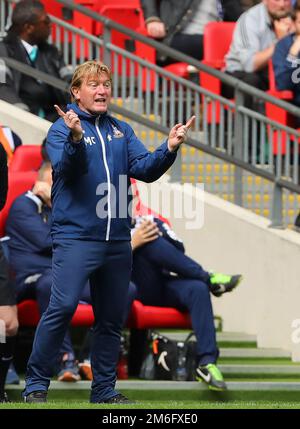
12 376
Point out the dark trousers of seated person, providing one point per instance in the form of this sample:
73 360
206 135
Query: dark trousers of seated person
187 292
188 44
258 80
40 291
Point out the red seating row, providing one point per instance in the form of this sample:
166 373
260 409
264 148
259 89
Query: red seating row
141 316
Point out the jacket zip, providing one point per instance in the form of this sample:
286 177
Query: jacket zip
108 179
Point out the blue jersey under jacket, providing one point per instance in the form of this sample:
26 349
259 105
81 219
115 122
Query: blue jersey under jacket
88 176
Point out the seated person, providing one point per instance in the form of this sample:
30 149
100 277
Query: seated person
286 60
254 39
9 140
30 248
26 41
180 25
165 276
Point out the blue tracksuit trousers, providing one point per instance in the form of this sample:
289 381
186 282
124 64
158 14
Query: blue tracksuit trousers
107 265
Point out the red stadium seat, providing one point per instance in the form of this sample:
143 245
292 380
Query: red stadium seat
26 158
150 317
278 114
216 43
29 316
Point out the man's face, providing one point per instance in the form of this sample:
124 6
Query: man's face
94 94
40 30
278 8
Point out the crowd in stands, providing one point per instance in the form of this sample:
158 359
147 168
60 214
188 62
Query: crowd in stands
260 25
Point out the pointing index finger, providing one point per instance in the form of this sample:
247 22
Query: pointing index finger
190 122
59 111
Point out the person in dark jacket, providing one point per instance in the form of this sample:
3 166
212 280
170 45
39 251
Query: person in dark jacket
26 42
165 276
180 25
8 309
93 156
286 60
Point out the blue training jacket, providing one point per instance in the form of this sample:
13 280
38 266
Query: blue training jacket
86 176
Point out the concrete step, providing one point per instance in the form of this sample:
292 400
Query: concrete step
160 385
267 370
253 353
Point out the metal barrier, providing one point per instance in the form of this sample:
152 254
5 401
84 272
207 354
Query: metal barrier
224 129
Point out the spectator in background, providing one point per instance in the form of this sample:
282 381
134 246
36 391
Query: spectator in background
255 36
8 309
180 25
286 60
26 42
9 140
165 276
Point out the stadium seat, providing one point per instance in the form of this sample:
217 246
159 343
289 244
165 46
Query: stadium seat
216 43
151 317
140 209
278 114
26 158
29 316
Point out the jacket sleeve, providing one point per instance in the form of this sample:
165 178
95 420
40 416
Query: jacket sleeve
25 221
284 66
246 41
144 165
3 177
68 159
150 10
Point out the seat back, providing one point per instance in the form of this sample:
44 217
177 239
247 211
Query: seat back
18 183
217 39
26 158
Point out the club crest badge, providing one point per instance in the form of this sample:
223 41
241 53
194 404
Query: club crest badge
117 134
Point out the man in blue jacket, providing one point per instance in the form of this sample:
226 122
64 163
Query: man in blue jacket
91 154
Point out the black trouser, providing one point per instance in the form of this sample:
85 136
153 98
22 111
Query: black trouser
259 80
189 44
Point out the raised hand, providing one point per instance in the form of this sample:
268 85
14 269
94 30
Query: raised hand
178 134
72 121
156 29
